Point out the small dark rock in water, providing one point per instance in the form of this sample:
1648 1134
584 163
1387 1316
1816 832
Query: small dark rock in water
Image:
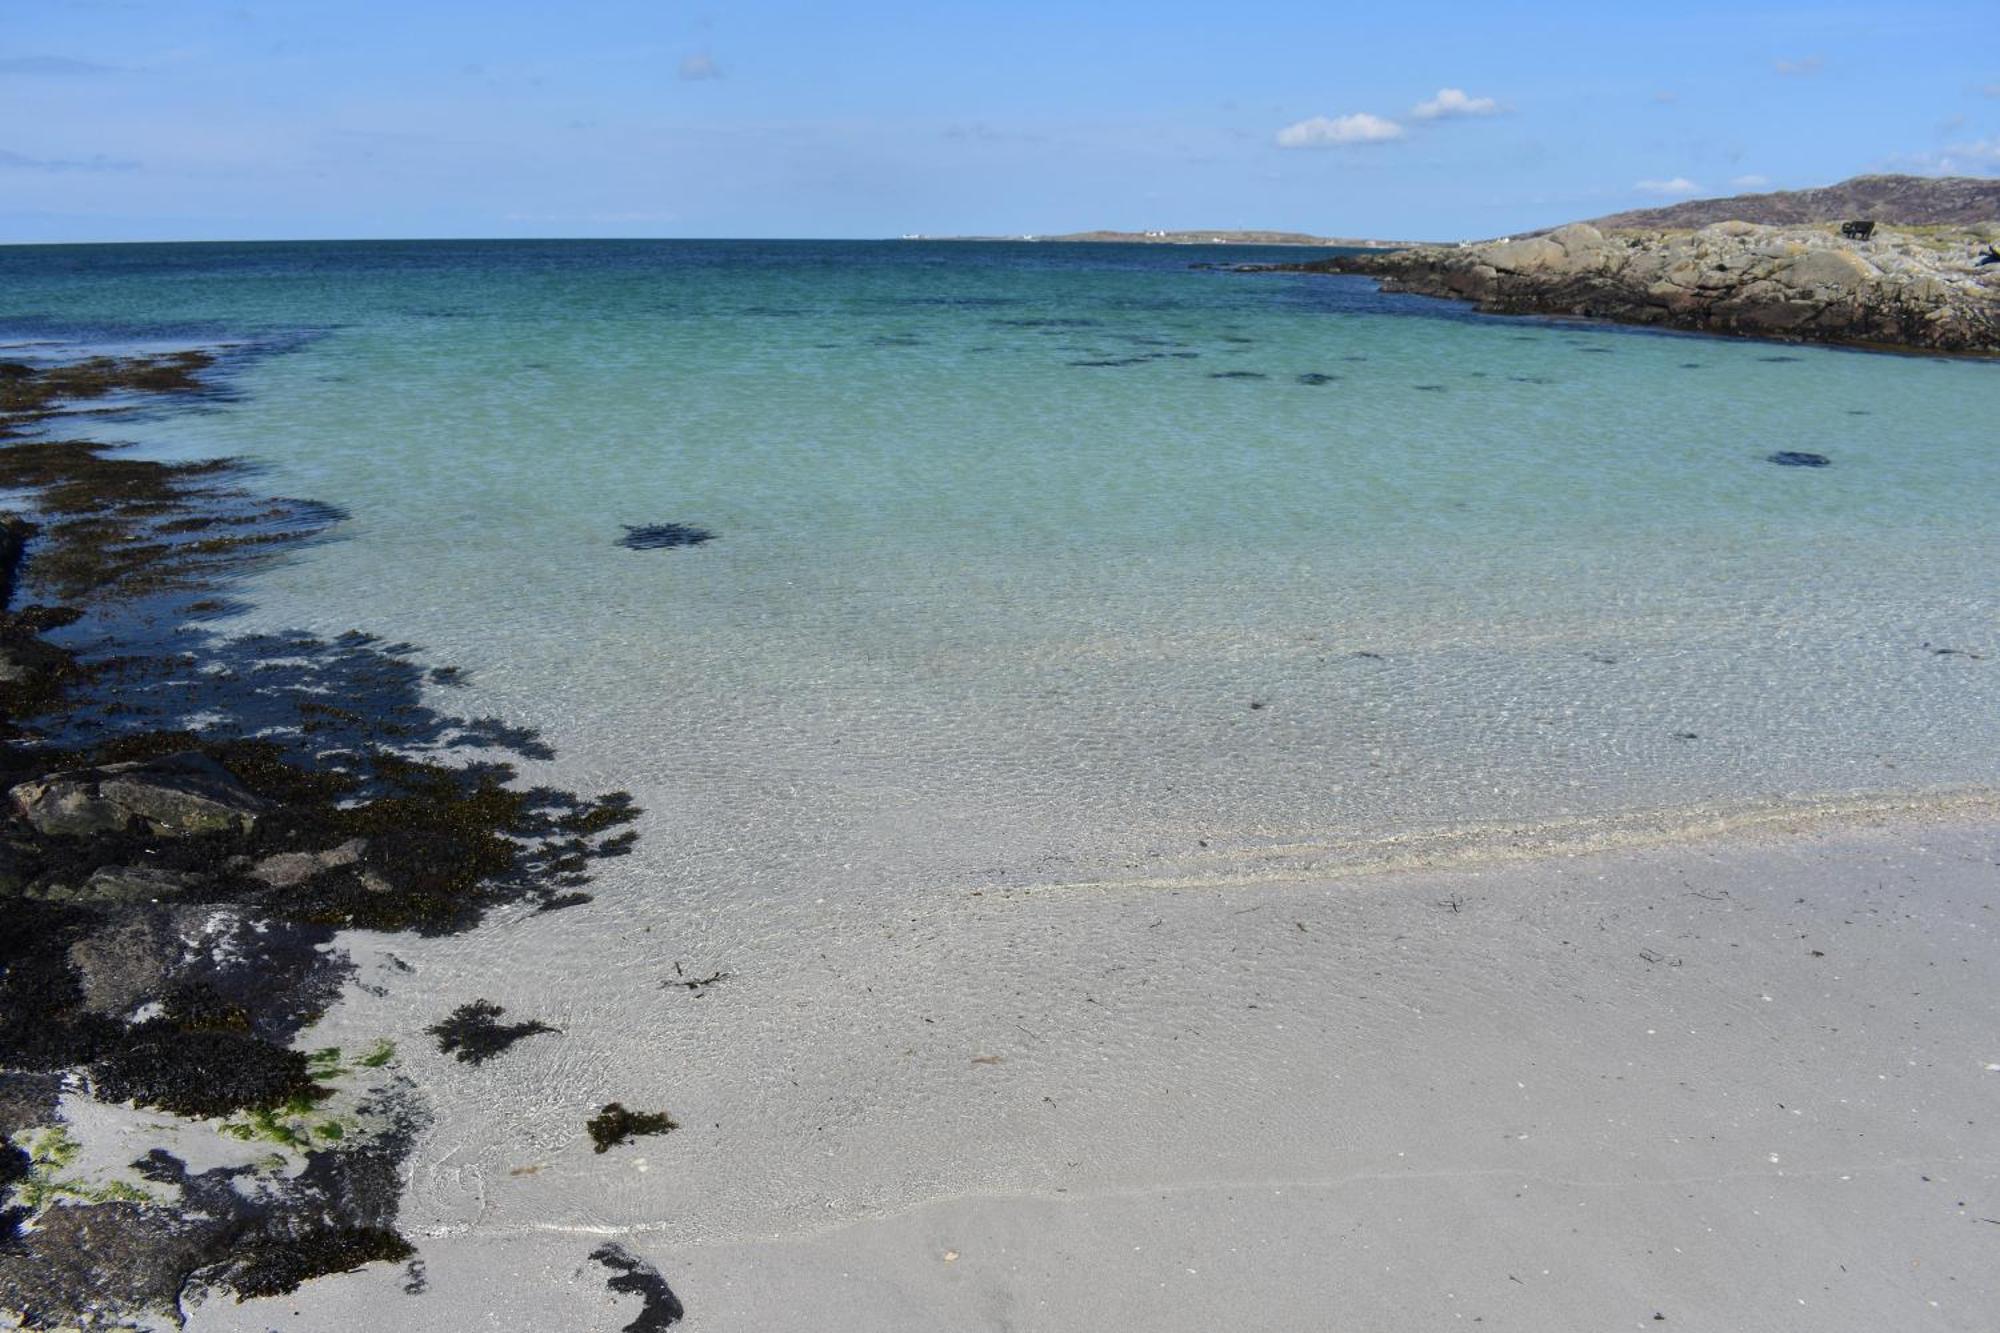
1795 458
660 536
475 1033
614 1124
1315 377
1429 388
1238 375
636 1277
1690 365
1778 359
1686 736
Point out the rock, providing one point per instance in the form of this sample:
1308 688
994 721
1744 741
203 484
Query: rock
14 534
1798 458
125 963
289 869
1799 282
110 885
175 796
25 659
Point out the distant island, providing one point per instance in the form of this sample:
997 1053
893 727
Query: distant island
1219 236
1897 262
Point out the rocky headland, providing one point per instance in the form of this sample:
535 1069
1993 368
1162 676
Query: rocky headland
1931 289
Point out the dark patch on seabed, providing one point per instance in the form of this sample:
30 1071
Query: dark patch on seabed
475 1034
1238 375
1799 458
633 1276
173 896
663 536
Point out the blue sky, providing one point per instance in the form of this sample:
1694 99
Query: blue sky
131 119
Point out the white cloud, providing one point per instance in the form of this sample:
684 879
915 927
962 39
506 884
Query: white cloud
700 66
1325 132
1668 188
1451 102
1749 182
1804 65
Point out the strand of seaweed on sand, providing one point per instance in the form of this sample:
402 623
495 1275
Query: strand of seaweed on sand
191 818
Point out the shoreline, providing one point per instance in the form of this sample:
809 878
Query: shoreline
1906 290
1056 1084
1554 1094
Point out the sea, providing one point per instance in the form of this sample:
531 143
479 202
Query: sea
941 565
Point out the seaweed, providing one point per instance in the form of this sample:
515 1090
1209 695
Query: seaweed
475 1035
663 536
614 1124
276 1264
203 1072
633 1276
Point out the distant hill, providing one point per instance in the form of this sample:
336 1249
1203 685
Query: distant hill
1911 201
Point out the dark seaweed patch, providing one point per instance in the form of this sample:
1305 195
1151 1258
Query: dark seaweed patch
663 536
1112 361
203 1073
633 1276
1315 377
475 1034
1428 388
275 1265
614 1124
1798 458
1238 375
1779 360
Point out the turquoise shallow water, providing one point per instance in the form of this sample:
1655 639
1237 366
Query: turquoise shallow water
980 605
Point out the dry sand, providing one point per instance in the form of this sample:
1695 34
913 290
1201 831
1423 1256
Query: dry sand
1747 1084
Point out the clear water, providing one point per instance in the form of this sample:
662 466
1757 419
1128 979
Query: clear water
977 612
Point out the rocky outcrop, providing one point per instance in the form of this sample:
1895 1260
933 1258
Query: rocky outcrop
174 796
1909 201
1924 290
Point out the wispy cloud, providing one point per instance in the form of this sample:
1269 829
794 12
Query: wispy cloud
1452 102
1668 189
1331 132
1801 66
1665 98
52 65
1991 90
699 66
10 160
1751 182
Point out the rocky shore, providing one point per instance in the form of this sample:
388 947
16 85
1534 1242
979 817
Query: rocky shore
1912 288
187 820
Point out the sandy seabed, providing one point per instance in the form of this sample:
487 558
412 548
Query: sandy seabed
1745 1083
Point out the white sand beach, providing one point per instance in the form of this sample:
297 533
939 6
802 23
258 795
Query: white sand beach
1745 1083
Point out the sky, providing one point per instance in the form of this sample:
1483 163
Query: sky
192 120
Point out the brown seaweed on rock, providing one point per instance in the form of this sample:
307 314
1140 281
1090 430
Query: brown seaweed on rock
188 819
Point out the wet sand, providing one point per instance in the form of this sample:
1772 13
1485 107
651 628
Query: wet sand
1745 1083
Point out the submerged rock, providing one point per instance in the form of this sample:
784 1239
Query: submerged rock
663 536
1798 458
174 796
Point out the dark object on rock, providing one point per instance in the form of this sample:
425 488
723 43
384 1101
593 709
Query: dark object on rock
662 536
203 1072
636 1277
172 796
1796 458
614 1124
1857 231
474 1033
1315 377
